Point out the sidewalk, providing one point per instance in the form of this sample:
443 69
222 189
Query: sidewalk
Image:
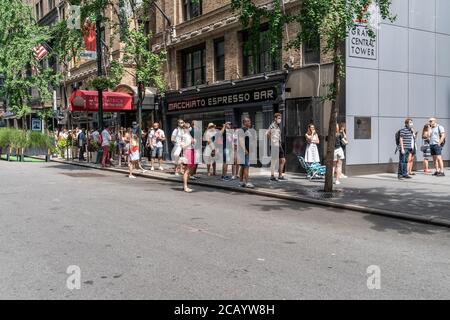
424 198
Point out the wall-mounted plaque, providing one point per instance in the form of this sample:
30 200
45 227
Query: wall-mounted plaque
363 128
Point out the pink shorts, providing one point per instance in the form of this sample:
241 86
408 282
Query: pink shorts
190 156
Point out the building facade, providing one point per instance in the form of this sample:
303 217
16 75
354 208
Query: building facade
78 73
407 76
211 74
403 73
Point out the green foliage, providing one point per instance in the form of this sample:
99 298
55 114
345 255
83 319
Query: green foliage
61 146
67 43
332 20
5 137
101 83
18 139
19 34
39 140
93 146
45 114
115 73
137 53
112 147
148 64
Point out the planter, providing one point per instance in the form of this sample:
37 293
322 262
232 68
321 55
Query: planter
94 157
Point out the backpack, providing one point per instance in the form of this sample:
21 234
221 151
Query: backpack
443 142
397 138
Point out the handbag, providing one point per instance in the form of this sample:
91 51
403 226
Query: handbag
177 151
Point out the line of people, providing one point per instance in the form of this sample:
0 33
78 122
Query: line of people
433 142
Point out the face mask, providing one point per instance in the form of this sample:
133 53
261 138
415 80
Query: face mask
278 121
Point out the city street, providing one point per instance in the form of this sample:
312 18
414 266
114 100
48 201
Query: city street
146 239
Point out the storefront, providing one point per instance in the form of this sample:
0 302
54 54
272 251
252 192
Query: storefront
119 107
257 98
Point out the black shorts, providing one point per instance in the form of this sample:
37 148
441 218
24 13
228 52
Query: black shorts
281 153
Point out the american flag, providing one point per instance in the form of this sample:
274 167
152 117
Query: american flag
39 52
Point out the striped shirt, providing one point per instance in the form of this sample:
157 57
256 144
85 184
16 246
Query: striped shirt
407 135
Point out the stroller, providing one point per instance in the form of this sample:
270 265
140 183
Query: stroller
313 171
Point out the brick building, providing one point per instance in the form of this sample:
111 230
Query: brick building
211 76
403 72
78 73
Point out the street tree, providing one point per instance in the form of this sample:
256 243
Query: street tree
133 38
332 20
19 34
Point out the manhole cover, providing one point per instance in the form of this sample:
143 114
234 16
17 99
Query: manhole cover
83 174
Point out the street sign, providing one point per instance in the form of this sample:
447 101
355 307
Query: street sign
36 124
74 21
89 55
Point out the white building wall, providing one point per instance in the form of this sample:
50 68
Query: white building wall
409 78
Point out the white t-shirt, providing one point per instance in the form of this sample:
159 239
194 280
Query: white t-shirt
177 135
106 138
95 136
155 138
186 139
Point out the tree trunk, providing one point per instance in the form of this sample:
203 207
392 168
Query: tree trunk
333 120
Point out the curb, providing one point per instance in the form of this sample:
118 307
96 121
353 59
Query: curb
436 221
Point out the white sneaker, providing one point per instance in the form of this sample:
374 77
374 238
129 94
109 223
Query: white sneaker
161 168
132 177
144 171
233 178
249 185
177 174
152 169
344 176
337 182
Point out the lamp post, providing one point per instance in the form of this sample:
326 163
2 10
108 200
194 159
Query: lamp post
141 96
98 24
3 97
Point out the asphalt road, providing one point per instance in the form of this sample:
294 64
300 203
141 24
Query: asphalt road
146 239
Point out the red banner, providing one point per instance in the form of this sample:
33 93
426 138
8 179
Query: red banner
89 36
87 101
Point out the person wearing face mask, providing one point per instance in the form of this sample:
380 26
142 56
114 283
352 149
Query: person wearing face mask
155 140
274 134
413 150
406 146
176 138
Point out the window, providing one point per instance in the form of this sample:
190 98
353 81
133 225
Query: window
265 61
219 59
193 66
191 9
312 51
39 10
51 4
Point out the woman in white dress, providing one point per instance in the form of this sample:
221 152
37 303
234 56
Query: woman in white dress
312 152
133 155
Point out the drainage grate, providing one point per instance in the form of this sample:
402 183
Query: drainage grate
83 174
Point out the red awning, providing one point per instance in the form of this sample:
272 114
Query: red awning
87 101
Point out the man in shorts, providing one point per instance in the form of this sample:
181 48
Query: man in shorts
155 140
437 141
274 134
